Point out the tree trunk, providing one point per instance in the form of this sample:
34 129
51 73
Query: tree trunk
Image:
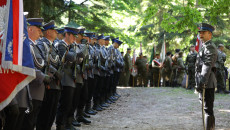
70 2
33 7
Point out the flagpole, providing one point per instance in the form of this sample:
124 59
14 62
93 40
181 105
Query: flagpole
133 81
163 49
159 78
133 67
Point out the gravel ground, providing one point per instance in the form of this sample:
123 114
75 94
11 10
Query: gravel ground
159 109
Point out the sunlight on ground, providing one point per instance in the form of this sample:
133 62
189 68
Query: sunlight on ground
124 87
222 110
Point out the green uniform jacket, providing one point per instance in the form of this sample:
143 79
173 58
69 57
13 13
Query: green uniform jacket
180 63
220 60
191 59
168 64
128 62
141 65
205 65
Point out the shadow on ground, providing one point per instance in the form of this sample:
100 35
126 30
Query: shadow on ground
159 109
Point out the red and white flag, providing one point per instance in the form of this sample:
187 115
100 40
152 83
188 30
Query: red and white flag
16 63
134 70
163 52
140 47
198 43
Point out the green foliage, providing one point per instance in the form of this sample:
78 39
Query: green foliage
144 21
53 9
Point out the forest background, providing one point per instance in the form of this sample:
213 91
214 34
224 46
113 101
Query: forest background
141 21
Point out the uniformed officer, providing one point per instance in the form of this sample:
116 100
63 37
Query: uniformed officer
174 68
97 74
90 36
122 76
36 87
142 70
190 63
110 72
53 89
119 64
180 69
103 70
128 66
220 70
68 55
156 70
80 72
205 73
167 70
112 66
60 35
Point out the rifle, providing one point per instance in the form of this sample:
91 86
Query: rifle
97 60
48 63
62 63
85 61
75 68
104 62
113 56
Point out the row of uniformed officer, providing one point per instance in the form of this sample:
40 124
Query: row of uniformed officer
72 68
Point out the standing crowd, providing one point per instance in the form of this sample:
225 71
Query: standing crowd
77 74
173 71
205 72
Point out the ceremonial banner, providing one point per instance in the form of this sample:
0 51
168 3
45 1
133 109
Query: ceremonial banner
198 43
16 63
153 53
134 70
163 52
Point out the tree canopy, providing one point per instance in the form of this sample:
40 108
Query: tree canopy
140 21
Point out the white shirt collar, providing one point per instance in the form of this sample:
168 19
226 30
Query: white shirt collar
65 42
35 43
206 42
48 40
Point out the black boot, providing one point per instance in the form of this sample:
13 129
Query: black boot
60 127
111 100
69 125
72 128
209 122
101 107
81 118
117 95
225 91
88 109
76 123
108 101
114 98
91 112
102 103
86 115
105 105
96 106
